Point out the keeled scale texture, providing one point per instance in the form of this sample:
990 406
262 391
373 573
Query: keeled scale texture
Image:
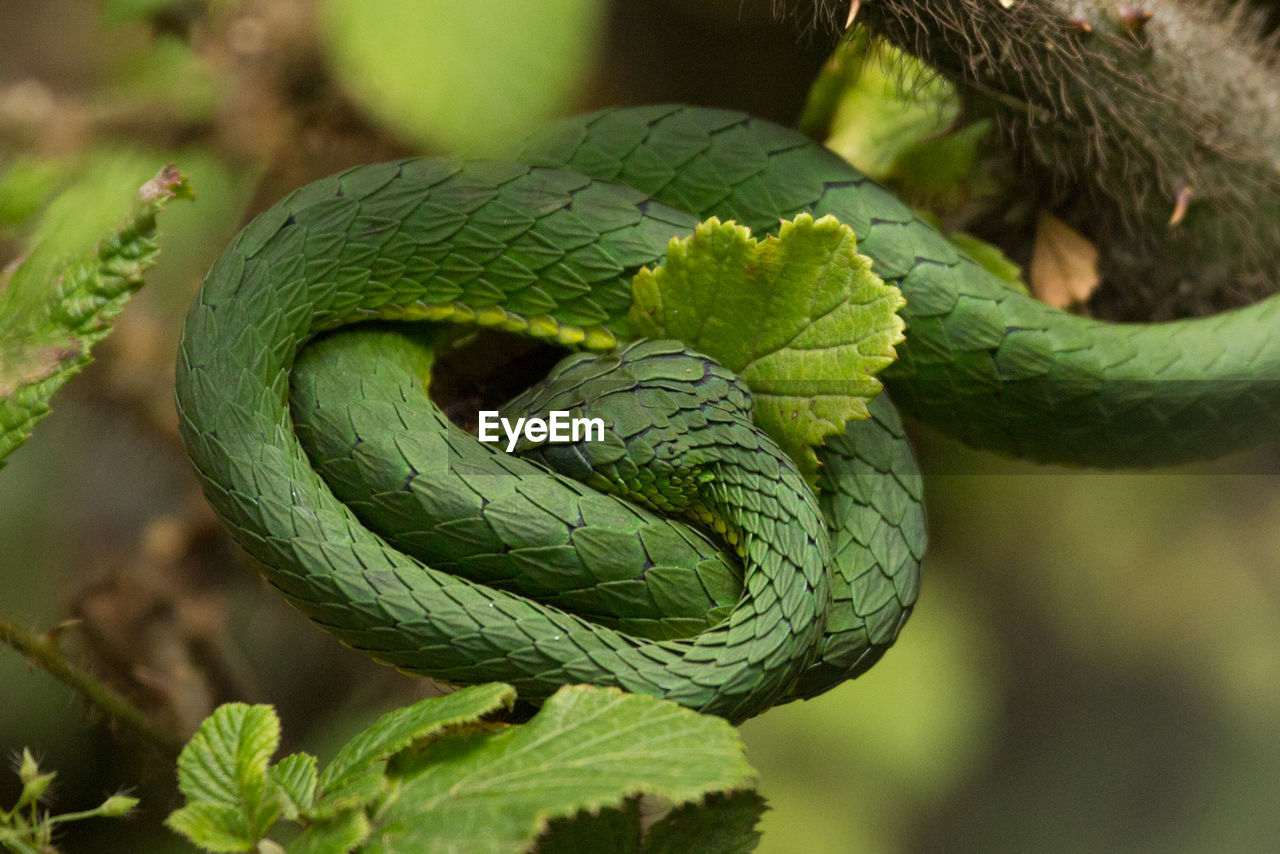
550 253
438 240
992 367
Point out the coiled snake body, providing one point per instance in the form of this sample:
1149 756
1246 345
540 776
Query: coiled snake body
546 247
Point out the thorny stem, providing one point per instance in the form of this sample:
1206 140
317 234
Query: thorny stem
43 651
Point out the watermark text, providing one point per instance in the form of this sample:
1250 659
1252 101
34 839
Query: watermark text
558 427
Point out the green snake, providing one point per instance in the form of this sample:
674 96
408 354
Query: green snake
535 579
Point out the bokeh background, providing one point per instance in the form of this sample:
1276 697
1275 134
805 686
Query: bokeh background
1095 661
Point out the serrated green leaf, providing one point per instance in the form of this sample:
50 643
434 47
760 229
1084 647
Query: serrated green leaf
943 170
801 317
396 730
295 781
614 830
224 768
352 792
587 749
212 827
722 824
228 753
79 274
337 835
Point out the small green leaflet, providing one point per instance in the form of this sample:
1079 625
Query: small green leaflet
222 773
800 316
338 835
295 781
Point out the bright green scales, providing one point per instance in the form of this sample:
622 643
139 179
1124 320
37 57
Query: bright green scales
551 253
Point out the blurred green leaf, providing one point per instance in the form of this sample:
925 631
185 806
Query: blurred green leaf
800 317
895 119
465 76
116 12
26 184
83 267
168 76
873 102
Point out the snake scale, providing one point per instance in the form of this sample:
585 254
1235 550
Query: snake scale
523 576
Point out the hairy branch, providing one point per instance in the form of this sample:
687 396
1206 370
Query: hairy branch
1163 115
43 651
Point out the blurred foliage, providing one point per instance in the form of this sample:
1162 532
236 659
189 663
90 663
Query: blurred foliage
85 262
28 828
889 115
25 185
894 119
469 77
1095 661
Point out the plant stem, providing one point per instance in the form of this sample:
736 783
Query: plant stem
43 651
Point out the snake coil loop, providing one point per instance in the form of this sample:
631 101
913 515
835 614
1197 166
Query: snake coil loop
546 247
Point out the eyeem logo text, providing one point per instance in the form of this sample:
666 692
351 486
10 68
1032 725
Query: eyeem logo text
557 428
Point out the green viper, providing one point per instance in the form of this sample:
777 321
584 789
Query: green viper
519 575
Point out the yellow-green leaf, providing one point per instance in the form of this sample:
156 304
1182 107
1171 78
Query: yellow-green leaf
801 317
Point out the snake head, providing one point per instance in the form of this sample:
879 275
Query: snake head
656 402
